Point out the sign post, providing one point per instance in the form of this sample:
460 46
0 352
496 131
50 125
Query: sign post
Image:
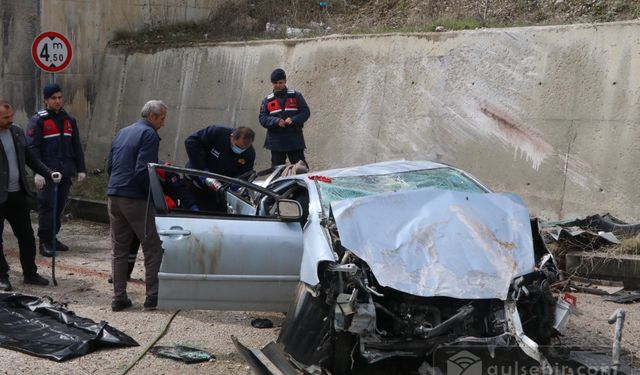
51 51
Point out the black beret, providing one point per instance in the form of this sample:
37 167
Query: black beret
51 89
277 75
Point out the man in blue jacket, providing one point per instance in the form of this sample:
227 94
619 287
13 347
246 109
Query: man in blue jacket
130 216
14 190
220 150
283 113
54 138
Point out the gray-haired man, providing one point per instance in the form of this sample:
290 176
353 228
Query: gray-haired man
131 150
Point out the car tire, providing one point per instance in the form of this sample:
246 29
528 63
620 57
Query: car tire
307 334
305 327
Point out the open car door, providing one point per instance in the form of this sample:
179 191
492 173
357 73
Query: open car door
243 256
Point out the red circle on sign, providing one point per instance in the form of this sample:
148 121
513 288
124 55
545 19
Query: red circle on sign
43 66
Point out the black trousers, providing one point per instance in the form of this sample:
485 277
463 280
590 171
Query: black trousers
16 211
45 208
207 200
280 157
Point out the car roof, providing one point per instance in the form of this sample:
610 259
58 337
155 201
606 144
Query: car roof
382 168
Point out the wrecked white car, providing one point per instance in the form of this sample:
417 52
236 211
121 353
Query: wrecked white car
388 261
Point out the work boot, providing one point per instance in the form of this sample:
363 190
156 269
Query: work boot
36 279
120 304
150 303
45 249
61 247
5 284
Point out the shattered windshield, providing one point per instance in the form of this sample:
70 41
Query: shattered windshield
360 186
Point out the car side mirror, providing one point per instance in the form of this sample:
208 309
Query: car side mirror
289 210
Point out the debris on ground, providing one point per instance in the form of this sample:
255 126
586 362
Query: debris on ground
182 353
603 233
272 360
589 233
261 323
624 297
591 286
45 328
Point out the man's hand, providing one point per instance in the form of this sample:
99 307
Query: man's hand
56 177
282 123
288 121
81 176
39 180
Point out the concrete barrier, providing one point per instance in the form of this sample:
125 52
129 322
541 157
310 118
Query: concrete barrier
625 268
88 209
550 113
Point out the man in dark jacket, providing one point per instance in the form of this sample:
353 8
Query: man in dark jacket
53 136
220 150
283 113
14 191
130 216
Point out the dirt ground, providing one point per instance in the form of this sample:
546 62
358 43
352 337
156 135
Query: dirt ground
82 283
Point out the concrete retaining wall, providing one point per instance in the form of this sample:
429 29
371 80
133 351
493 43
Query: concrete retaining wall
19 26
550 113
89 25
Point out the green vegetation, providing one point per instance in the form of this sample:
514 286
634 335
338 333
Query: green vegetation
464 24
236 20
93 187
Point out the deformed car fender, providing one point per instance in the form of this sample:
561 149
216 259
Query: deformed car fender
528 346
316 243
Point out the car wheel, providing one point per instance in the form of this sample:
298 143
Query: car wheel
307 334
306 327
538 315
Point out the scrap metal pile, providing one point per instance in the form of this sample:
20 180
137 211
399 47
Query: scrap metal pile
596 247
588 234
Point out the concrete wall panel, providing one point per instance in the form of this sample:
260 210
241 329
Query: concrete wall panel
19 25
90 25
549 113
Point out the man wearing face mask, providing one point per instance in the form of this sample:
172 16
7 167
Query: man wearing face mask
219 150
283 113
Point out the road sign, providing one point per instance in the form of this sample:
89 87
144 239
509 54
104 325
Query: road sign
51 51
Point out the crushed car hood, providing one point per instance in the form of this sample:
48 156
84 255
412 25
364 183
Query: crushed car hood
432 242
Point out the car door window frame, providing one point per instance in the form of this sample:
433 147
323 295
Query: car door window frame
157 194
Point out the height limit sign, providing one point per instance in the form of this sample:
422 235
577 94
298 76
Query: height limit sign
51 51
